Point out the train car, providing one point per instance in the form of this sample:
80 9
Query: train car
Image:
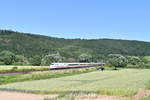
73 65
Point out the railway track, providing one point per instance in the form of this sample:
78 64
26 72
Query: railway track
50 70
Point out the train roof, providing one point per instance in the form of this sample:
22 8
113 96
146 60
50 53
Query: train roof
76 63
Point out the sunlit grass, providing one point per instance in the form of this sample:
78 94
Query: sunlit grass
15 68
8 67
5 79
125 82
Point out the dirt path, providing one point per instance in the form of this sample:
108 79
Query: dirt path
22 96
97 97
5 95
142 94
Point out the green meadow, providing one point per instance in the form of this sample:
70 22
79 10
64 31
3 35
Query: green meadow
15 68
123 82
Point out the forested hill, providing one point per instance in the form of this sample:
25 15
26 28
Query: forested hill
30 45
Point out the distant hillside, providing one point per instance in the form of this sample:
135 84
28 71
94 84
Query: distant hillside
30 45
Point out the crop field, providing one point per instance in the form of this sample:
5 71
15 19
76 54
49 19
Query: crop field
15 68
147 58
6 67
123 82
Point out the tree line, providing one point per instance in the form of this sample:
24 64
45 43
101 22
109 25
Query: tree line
114 60
10 58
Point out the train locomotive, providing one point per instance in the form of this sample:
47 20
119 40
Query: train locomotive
73 65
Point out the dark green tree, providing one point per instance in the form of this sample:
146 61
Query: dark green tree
21 60
117 60
134 60
7 57
85 58
50 58
36 60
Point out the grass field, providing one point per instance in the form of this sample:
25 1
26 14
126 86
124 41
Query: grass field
6 68
147 58
5 79
146 98
124 82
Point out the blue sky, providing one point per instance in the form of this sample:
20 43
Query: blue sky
117 19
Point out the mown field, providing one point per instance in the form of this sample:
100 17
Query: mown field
123 82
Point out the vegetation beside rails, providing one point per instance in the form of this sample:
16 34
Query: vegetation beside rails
43 75
11 69
142 66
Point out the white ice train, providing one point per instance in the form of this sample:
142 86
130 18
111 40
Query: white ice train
73 65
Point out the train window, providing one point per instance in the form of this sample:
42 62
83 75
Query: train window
73 64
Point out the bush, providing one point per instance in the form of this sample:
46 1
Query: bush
7 57
20 60
36 60
134 60
117 60
85 58
14 68
48 59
